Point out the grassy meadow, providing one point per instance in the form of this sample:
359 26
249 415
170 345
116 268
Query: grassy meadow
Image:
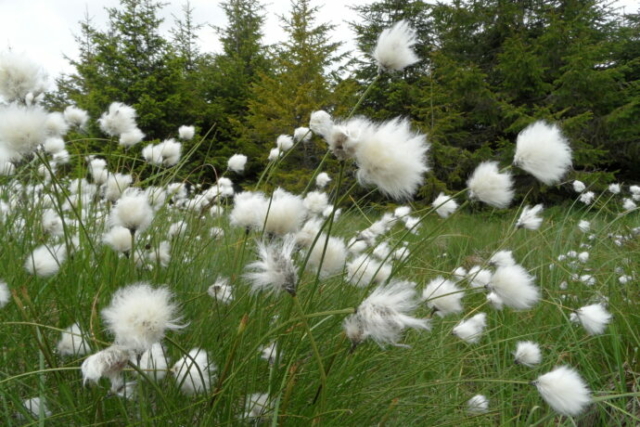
315 376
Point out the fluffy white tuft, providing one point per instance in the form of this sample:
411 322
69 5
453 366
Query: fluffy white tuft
285 213
444 296
237 162
322 180
527 353
302 134
328 254
118 238
284 142
502 258
72 342
364 270
478 404
316 202
594 318
20 77
321 123
529 218
490 186
107 363
76 117
392 157
140 314
394 49
249 210
543 151
22 129
564 390
132 211
45 260
275 270
515 286
193 372
384 314
578 186
221 290
445 205
186 132
470 330
153 362
119 119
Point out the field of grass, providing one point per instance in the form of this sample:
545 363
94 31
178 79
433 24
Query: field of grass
315 375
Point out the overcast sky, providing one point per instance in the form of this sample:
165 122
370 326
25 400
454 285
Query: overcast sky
44 29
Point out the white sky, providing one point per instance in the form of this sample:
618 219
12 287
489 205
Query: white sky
44 29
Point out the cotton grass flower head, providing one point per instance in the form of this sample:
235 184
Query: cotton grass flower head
139 315
193 372
249 210
118 238
478 404
392 157
364 270
5 295
594 318
237 162
490 186
22 130
186 133
321 123
107 363
153 362
131 137
284 142
444 205
384 314
478 277
20 77
284 214
132 211
584 226
316 202
76 117
56 125
564 390
471 329
588 197
628 204
45 260
394 48
444 296
322 180
115 185
328 254
529 218
543 151
527 353
515 286
274 271
221 291
302 134
502 258
72 342
120 118
578 186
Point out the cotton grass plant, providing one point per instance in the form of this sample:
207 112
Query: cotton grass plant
207 307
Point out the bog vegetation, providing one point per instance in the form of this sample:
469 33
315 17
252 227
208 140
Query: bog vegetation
282 235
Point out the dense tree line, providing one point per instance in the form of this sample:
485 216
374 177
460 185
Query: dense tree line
489 68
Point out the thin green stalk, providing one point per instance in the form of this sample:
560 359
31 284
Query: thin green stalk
316 351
